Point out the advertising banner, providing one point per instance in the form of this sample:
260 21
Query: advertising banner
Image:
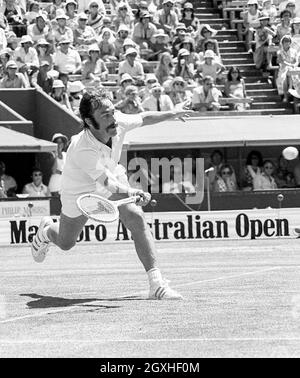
172 226
24 208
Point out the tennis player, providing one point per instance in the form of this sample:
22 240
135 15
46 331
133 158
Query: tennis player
92 167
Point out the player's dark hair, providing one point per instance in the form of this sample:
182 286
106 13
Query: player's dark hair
92 100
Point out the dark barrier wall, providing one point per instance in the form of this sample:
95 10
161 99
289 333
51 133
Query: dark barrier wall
21 101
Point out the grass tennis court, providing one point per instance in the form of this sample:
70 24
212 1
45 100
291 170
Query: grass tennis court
242 299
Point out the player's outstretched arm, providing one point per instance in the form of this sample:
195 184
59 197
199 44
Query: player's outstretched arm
152 117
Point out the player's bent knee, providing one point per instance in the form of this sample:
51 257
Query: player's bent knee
66 245
134 219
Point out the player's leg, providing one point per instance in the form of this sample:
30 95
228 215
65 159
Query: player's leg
133 218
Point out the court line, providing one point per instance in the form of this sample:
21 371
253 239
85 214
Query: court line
73 308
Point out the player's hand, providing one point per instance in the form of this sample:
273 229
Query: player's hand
144 196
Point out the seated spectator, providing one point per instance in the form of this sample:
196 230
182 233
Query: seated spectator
252 168
71 6
125 81
150 80
84 35
144 31
42 79
178 93
167 18
265 180
128 43
183 68
132 103
210 44
62 31
40 29
76 90
159 45
188 44
8 185
269 9
165 69
210 67
43 49
12 78
122 35
94 68
250 18
188 17
131 66
180 34
283 177
235 88
287 59
59 160
157 100
225 181
84 5
95 17
107 45
263 39
15 16
59 94
5 56
206 97
206 33
56 5
65 59
124 16
36 188
284 28
26 57
291 6
216 162
33 11
296 34
12 41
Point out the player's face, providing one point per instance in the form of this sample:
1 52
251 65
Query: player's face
106 121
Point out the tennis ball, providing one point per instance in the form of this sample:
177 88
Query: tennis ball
290 153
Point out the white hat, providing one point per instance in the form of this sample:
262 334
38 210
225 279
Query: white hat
209 54
60 13
76 86
183 52
251 2
58 84
161 33
125 77
11 64
59 135
82 16
93 47
156 86
26 38
131 50
151 76
296 20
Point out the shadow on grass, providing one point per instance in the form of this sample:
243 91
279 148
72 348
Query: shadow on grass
41 301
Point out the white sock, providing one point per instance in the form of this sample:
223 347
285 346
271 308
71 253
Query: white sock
154 276
45 234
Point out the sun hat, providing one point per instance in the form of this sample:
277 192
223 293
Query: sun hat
42 15
60 13
42 41
11 64
126 77
161 33
44 63
252 2
151 76
131 88
207 27
156 86
93 47
64 39
188 6
130 51
26 38
209 54
82 16
59 135
76 86
58 84
123 27
183 52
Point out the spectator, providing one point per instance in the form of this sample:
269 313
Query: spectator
65 59
206 97
265 180
225 181
296 34
206 33
36 188
5 56
144 31
188 44
128 43
159 45
287 59
250 18
12 41
54 7
125 81
33 11
59 94
58 164
71 6
84 35
62 30
157 100
263 39
291 6
8 184
122 35
167 17
43 79
40 29
210 67
15 16
179 94
12 78
43 49
84 5
107 45
132 103
178 38
3 28
76 90
188 17
124 17
26 56
132 67
269 9
235 88
95 17
183 68
94 68
284 28
151 79
283 177
165 69
252 168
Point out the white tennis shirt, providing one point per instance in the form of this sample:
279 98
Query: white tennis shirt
89 162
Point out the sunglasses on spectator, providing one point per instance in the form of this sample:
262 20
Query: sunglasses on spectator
268 167
226 173
122 9
179 83
37 174
94 6
157 91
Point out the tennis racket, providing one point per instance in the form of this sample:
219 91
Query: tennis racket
101 209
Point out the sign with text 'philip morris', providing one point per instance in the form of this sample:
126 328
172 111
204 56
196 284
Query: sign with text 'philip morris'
24 208
173 226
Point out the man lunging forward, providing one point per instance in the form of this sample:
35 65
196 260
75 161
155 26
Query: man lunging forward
92 167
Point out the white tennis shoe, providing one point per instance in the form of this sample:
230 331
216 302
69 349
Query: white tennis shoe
39 246
163 291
